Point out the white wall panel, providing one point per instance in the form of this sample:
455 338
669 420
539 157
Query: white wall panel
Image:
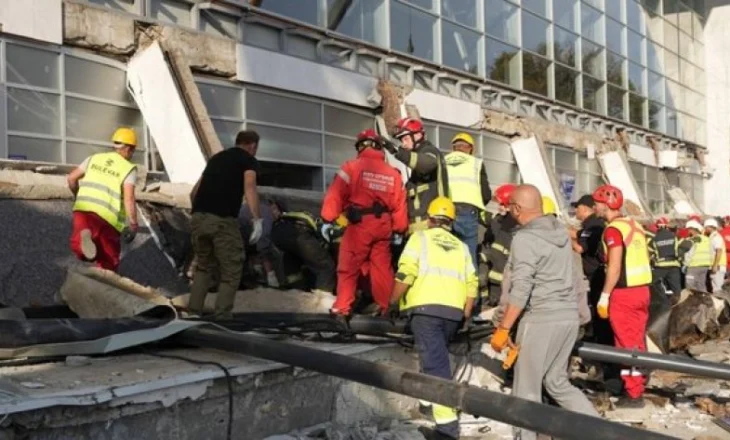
37 19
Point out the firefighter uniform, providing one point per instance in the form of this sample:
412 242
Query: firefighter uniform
370 193
663 247
628 309
497 241
296 234
698 261
725 233
439 270
469 190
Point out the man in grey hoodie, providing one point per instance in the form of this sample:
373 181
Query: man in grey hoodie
542 293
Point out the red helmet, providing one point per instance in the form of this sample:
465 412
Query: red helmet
503 193
408 126
662 221
609 195
695 217
368 138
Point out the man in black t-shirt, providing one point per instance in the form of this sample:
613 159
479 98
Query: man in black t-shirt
229 176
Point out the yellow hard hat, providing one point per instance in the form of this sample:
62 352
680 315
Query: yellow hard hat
125 136
464 137
442 207
548 206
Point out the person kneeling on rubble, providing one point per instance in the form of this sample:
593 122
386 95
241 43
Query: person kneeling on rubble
436 285
542 296
625 297
103 186
370 193
296 234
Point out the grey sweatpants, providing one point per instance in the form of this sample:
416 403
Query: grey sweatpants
545 349
696 278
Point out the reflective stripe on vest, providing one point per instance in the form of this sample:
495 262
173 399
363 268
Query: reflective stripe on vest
304 217
499 248
464 179
495 276
701 252
664 247
635 268
100 188
723 257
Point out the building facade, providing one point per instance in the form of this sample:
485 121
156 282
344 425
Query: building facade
593 65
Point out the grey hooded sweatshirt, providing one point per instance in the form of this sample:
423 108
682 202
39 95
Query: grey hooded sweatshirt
541 271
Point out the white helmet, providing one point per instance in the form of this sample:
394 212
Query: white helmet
693 224
712 223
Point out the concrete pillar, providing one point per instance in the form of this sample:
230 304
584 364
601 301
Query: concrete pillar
717 93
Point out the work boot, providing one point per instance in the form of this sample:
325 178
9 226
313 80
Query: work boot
432 434
626 402
88 248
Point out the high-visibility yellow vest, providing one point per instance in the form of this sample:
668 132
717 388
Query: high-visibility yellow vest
464 178
723 258
100 190
444 276
636 266
701 252
302 217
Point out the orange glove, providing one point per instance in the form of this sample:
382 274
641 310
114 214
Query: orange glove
602 307
500 339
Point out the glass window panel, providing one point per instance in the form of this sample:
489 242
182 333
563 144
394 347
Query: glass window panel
699 190
537 6
535 72
412 31
593 61
41 150
588 165
337 150
598 4
653 175
615 36
360 20
289 145
592 24
172 11
588 182
671 65
97 121
671 11
425 4
673 94
303 10
685 46
656 116
635 46
655 27
221 101
218 23
33 112
656 87
634 13
430 131
31 66
462 11
534 33
460 48
613 9
671 37
565 47
615 69
687 72
501 20
636 109
654 55
262 36
340 121
227 131
566 84
120 5
699 54
269 108
696 27
672 122
503 63
566 160
494 148
286 175
653 6
592 94
564 14
96 79
615 102
500 172
78 152
685 18
636 79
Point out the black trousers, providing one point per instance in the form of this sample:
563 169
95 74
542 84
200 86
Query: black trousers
669 277
304 245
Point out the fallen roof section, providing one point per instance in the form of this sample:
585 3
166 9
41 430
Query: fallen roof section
535 169
616 169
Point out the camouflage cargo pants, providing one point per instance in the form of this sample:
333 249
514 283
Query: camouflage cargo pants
218 247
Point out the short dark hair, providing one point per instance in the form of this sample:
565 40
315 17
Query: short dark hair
247 137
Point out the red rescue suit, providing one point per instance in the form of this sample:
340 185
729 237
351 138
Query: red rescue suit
725 233
361 185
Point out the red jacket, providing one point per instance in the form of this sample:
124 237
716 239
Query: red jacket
725 232
364 181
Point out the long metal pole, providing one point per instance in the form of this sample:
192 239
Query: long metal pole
479 402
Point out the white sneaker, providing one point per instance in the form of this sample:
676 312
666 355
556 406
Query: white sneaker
88 248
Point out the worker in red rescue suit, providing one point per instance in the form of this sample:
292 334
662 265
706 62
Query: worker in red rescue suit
429 177
725 233
496 243
625 297
370 193
104 209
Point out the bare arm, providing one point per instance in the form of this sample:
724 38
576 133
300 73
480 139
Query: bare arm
398 290
510 316
130 205
613 269
251 193
72 179
468 307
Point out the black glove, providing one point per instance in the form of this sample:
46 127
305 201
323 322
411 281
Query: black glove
128 235
393 312
389 146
